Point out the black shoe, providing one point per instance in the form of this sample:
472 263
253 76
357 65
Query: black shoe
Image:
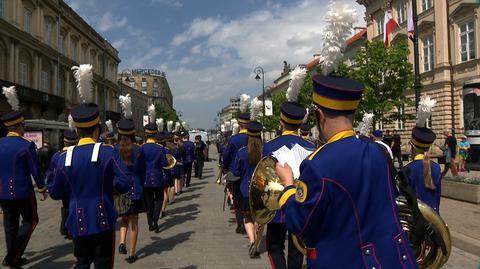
122 249
200 178
23 261
240 230
163 215
153 228
131 259
6 264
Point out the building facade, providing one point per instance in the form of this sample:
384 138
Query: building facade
151 82
140 104
39 43
448 34
229 112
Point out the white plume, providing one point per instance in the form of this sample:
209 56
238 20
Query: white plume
235 128
169 126
256 109
222 128
177 126
228 126
297 77
159 123
126 105
306 116
244 102
109 124
233 122
184 125
83 75
366 124
340 19
12 98
425 107
71 123
151 113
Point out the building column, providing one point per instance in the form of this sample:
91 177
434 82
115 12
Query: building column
39 25
16 64
11 62
36 73
66 92
55 80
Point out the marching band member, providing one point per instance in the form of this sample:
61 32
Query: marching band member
177 171
378 137
188 158
304 131
343 205
92 216
155 178
169 188
424 175
110 136
244 165
235 143
291 117
132 202
17 195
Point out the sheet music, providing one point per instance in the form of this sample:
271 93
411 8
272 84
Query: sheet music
293 157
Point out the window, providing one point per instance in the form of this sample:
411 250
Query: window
45 83
428 53
74 50
380 24
61 43
426 4
2 8
401 12
27 20
379 125
24 77
429 123
49 33
132 84
155 93
144 83
155 83
467 41
400 124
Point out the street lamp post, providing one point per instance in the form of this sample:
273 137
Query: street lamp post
417 84
259 70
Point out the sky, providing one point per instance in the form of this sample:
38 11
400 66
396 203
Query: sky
209 48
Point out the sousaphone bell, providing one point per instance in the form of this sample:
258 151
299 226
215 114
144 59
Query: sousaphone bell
171 161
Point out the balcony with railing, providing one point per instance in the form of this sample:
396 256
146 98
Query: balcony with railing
30 95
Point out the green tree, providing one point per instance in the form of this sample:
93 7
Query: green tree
386 74
166 113
272 123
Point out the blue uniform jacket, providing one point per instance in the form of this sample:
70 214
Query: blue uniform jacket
241 168
343 207
137 169
19 163
154 162
188 152
288 139
177 170
89 187
235 143
53 163
416 181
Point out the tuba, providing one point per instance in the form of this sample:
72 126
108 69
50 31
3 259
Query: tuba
265 189
171 161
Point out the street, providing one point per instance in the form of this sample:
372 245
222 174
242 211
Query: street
196 233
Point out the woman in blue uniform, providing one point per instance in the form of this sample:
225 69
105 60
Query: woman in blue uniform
244 165
424 175
132 203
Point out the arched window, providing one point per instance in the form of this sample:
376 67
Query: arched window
93 59
3 60
74 49
46 77
25 68
28 9
50 32
2 9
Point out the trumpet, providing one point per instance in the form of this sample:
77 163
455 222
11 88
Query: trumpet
171 161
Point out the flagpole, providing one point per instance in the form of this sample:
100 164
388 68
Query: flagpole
416 59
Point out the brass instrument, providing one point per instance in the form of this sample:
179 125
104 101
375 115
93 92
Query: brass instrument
264 204
429 255
171 162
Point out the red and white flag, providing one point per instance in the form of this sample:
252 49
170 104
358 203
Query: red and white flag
476 91
410 27
389 27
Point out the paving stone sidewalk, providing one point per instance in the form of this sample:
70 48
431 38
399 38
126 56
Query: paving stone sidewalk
196 233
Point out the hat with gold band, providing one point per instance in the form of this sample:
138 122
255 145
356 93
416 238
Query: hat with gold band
85 115
160 137
305 129
70 137
126 127
254 129
337 95
13 118
422 137
169 137
292 113
244 118
151 128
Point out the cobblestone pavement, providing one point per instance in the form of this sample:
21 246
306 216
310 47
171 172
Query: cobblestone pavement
196 233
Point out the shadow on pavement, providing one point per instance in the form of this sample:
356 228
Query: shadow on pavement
49 255
160 245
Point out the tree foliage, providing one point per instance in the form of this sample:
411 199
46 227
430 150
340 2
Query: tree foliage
386 74
166 113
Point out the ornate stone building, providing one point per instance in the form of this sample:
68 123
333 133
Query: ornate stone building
449 62
39 43
150 82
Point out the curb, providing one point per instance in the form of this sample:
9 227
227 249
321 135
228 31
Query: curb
465 243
